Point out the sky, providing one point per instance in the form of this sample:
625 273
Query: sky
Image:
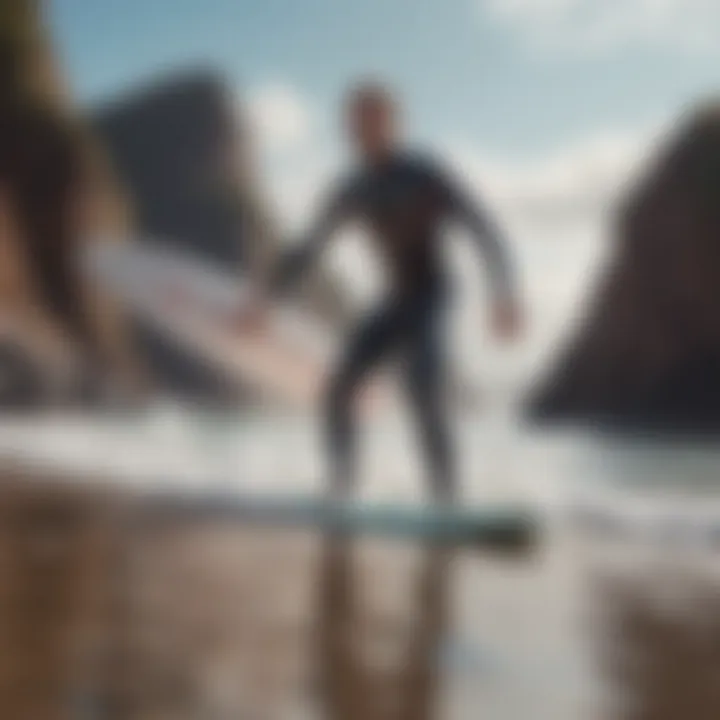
546 107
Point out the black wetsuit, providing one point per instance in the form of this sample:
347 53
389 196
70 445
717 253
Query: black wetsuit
403 202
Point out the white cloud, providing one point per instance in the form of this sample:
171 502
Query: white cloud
595 26
570 186
281 117
556 208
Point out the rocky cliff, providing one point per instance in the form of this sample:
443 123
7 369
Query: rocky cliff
55 191
648 353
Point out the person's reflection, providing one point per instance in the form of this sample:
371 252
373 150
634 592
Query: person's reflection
353 686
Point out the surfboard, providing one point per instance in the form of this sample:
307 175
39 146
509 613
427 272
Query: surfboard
506 526
199 307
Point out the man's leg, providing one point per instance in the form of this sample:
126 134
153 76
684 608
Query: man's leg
371 342
426 377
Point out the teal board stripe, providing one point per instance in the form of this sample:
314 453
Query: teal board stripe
456 523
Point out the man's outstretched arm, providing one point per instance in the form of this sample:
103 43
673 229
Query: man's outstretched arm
495 251
489 239
295 262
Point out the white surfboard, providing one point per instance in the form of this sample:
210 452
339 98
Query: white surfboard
199 307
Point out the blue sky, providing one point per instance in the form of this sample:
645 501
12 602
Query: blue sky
514 75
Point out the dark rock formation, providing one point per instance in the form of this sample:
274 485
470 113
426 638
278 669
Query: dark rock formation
183 157
648 354
173 147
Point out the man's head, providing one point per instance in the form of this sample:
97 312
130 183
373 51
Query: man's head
372 118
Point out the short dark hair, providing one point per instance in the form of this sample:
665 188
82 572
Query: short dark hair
370 91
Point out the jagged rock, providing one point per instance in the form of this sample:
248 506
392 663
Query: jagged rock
172 145
648 353
182 153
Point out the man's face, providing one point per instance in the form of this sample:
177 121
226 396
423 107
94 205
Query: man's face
373 126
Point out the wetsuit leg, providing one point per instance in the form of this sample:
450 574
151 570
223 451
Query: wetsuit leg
372 341
426 382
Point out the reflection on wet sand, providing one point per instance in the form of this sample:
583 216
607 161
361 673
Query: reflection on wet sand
356 679
228 621
660 645
206 620
56 587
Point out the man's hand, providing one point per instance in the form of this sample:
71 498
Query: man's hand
507 319
253 317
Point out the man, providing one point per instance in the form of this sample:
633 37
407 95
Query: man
402 199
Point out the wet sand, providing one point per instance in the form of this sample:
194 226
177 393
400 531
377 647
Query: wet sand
114 613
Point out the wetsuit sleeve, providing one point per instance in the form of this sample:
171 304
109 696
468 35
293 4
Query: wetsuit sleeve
295 261
485 231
